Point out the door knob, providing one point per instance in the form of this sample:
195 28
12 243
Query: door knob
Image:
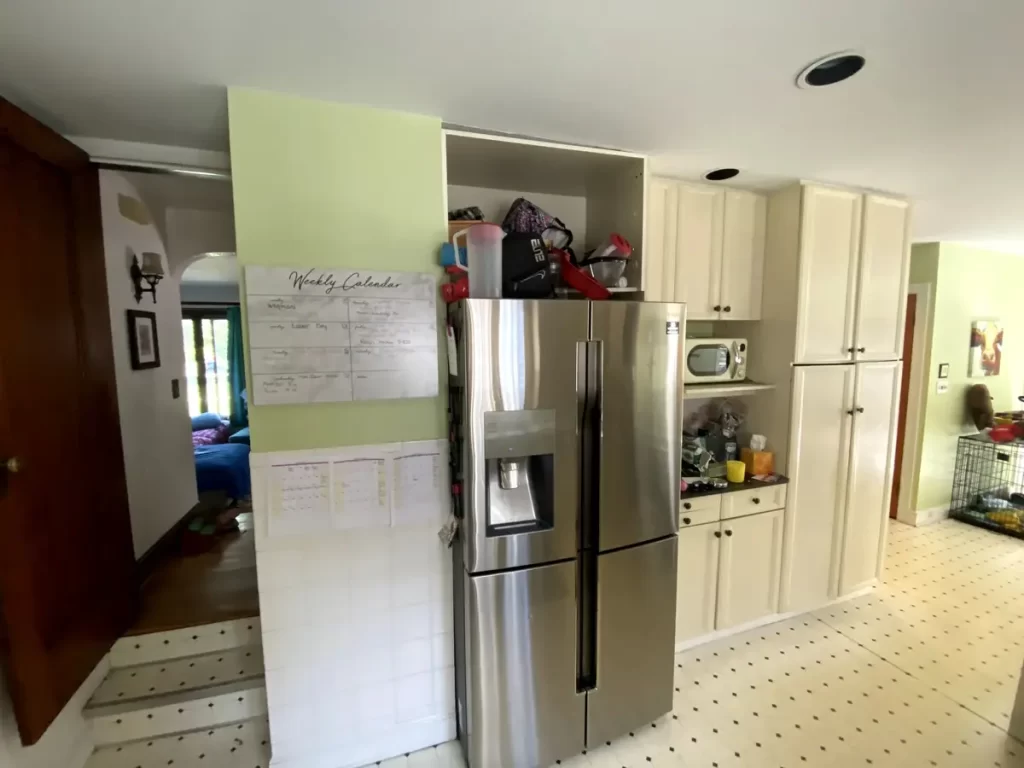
12 465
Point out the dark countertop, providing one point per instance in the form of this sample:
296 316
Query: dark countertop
746 485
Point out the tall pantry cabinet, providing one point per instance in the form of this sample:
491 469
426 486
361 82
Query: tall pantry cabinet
836 271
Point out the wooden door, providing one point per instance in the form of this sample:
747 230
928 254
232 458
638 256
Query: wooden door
909 326
819 456
743 254
67 568
697 581
699 251
749 568
660 240
826 297
876 403
882 285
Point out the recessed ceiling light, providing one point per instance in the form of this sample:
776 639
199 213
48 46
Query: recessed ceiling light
830 70
721 174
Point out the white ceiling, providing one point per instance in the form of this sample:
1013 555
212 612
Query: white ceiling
937 113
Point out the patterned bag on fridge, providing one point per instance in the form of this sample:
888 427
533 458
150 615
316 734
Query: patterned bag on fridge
528 219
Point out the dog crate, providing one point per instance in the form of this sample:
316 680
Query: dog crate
988 484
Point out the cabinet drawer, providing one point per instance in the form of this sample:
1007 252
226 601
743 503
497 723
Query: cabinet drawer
706 509
748 502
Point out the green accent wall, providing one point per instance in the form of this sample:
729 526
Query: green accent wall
325 184
968 284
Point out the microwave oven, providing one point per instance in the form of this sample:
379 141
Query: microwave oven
715 360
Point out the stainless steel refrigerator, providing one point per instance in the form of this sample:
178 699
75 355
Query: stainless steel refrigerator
566 439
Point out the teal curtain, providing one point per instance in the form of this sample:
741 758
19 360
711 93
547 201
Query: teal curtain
236 369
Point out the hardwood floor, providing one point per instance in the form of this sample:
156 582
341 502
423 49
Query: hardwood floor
190 590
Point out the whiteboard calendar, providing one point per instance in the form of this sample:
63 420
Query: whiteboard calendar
321 335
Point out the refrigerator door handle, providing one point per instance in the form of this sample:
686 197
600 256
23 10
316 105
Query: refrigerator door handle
589 373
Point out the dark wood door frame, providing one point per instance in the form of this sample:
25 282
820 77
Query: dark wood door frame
49 649
901 425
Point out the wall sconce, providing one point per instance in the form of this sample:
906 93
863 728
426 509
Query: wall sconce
151 271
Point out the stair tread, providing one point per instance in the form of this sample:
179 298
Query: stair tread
245 744
144 683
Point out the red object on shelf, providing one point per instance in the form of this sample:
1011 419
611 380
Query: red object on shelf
454 291
1002 434
580 280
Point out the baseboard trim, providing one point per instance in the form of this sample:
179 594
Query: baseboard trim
165 546
930 515
774 618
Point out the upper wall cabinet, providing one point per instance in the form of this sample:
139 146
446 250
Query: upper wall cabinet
707 249
854 262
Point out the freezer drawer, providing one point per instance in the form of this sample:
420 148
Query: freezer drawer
521 708
636 613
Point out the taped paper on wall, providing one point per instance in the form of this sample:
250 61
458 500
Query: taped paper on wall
371 486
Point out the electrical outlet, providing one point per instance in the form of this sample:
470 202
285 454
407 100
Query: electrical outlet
941 387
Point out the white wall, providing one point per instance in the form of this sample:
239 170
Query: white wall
193 232
67 743
155 428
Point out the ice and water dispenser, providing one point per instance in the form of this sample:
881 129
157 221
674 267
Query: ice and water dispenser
519 454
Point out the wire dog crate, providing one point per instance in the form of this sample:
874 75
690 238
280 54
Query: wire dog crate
988 484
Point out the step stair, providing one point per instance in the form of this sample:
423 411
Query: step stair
181 697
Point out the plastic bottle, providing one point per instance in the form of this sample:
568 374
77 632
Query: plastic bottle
483 259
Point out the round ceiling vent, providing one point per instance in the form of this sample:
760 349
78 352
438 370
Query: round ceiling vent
721 174
830 70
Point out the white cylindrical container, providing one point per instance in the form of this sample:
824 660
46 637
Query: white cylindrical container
483 258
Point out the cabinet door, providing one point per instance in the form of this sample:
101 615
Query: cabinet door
699 251
819 455
876 405
660 240
749 568
743 254
829 249
697 581
884 270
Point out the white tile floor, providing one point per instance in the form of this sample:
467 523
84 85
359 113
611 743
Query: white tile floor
922 672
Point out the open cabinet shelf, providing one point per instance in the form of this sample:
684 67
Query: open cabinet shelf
698 391
593 191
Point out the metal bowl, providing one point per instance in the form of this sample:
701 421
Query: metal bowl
607 273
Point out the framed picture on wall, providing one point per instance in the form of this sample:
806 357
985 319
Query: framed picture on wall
986 348
142 339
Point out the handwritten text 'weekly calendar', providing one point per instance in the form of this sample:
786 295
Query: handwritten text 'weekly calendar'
319 335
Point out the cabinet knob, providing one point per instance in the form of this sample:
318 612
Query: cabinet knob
687 505
717 307
727 308
756 500
860 409
686 521
850 349
718 534
850 412
728 533
862 349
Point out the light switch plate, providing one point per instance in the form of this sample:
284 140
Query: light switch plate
175 388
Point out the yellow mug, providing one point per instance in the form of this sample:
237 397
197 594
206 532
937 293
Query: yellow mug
735 471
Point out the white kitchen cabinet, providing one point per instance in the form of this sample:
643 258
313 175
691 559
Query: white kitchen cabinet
749 568
660 259
818 462
830 229
875 404
743 241
706 249
699 237
882 283
697 584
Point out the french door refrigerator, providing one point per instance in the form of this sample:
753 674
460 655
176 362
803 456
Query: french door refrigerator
567 430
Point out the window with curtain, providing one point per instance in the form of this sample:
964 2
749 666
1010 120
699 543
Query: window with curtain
205 332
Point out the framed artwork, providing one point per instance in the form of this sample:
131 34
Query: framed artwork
142 339
986 348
